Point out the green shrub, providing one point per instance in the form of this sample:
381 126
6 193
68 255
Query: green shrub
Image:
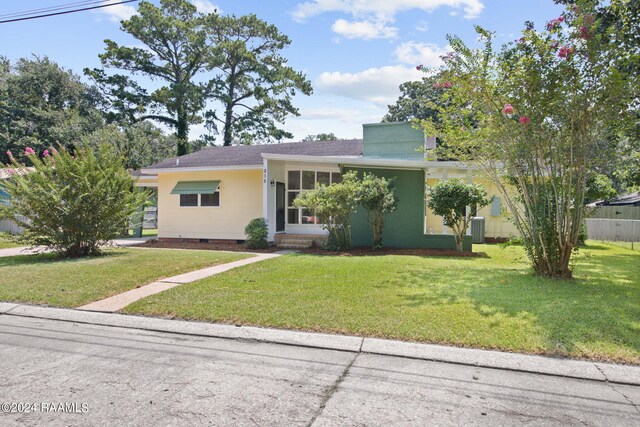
377 196
257 231
334 205
449 199
71 204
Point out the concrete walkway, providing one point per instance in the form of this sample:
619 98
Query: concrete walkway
120 301
26 250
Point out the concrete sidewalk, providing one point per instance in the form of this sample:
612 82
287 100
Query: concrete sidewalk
569 368
26 250
120 301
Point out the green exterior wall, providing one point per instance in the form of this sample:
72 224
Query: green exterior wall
393 141
403 228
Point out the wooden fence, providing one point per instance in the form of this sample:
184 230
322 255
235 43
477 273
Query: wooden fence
614 212
613 230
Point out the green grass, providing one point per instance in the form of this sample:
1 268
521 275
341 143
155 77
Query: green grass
46 279
627 245
6 242
489 302
147 232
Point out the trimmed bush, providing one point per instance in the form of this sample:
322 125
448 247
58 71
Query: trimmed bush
334 206
257 232
71 204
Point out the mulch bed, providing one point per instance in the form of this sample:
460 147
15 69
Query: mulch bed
360 251
212 246
368 251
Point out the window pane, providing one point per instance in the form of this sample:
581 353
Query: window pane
292 217
336 177
188 200
210 199
308 180
323 178
291 197
294 180
308 217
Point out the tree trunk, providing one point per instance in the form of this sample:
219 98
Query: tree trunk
228 110
228 134
459 241
182 132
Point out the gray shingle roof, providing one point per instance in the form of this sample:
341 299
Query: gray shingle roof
250 155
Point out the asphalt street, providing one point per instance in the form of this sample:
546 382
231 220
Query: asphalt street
65 373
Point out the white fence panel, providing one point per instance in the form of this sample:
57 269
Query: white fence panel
613 230
9 226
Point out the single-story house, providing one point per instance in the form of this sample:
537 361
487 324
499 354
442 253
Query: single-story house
632 199
212 194
8 225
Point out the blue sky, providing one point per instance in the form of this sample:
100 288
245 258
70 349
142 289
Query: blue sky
355 52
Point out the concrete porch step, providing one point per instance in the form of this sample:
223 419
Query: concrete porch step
298 241
292 246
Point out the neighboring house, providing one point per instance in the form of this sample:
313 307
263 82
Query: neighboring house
8 225
212 194
632 199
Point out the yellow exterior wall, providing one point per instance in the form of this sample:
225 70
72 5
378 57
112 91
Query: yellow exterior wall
240 202
495 226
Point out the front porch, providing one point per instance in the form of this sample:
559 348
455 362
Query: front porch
410 226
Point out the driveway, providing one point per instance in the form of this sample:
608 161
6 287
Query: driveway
115 376
25 250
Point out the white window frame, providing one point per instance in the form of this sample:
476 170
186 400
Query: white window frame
199 205
301 169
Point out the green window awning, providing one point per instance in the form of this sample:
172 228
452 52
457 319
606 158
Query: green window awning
195 187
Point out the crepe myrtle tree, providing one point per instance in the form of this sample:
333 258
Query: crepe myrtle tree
535 116
71 203
450 199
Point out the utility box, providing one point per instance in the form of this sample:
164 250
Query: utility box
477 229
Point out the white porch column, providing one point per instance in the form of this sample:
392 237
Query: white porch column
468 208
265 199
445 175
424 202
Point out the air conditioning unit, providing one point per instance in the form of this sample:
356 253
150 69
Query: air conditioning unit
477 229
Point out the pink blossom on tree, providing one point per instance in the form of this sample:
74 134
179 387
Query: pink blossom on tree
584 33
29 151
524 120
508 109
566 51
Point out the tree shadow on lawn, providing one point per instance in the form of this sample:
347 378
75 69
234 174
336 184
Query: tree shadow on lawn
50 257
599 309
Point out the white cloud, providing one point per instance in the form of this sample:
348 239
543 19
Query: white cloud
366 30
377 85
205 6
371 18
384 8
118 12
427 54
422 26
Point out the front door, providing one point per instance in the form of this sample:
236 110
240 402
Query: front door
280 206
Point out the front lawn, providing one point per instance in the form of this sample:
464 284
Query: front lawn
6 242
46 279
488 302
